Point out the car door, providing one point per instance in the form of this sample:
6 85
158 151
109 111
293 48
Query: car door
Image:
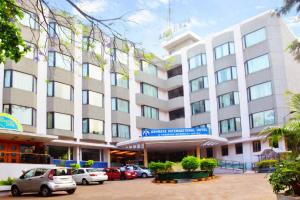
38 179
115 173
80 175
25 181
76 176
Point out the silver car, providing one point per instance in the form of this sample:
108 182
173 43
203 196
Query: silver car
140 171
44 181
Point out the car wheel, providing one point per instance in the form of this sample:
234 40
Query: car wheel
84 182
100 182
144 175
15 191
71 191
45 191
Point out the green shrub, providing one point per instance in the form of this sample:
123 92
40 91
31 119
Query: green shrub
208 164
8 181
160 167
190 163
75 166
89 163
266 163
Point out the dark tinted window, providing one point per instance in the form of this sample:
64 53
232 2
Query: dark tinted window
175 114
175 71
178 92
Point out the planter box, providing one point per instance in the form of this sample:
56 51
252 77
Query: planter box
284 197
182 175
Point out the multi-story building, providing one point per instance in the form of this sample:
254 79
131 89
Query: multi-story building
232 82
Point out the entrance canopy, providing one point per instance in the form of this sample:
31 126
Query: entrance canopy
173 139
24 136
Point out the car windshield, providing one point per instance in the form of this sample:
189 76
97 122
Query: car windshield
62 172
92 170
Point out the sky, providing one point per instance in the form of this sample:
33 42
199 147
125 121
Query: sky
144 21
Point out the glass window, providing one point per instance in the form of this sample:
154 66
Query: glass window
176 114
230 125
93 126
208 126
60 121
260 90
30 20
91 44
121 131
92 71
200 107
32 53
176 71
197 61
228 99
119 105
257 64
254 38
224 50
63 33
239 148
19 80
150 112
262 118
148 68
199 83
121 57
149 90
119 80
224 150
59 60
256 146
92 98
60 90
226 74
25 115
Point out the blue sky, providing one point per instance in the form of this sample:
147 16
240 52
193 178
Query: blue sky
146 19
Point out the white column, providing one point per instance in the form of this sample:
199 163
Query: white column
69 153
132 91
107 157
1 86
107 98
41 103
212 88
76 154
242 93
186 89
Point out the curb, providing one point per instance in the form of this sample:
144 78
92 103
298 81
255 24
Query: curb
193 180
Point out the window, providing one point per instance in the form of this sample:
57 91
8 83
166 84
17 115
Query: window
148 68
92 98
208 126
256 146
176 114
120 131
260 90
25 115
226 74
228 99
149 90
200 107
92 71
199 83
150 112
58 31
19 80
262 118
254 38
30 20
59 60
33 52
174 72
177 92
91 44
224 50
119 105
197 61
120 56
224 150
257 64
61 90
230 125
59 121
92 126
119 80
239 148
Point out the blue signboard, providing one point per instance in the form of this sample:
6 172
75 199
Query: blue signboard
8 122
174 132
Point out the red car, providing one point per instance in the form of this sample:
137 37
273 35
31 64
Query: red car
114 173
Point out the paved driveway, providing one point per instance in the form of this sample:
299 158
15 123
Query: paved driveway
231 187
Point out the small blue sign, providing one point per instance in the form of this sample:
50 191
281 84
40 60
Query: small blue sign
174 132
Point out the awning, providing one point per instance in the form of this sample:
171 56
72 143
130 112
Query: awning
25 136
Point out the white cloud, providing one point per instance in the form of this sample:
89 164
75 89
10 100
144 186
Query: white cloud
92 6
152 3
141 17
293 21
199 23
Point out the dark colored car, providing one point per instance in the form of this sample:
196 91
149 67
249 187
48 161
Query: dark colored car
115 173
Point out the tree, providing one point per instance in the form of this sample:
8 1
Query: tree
294 47
12 44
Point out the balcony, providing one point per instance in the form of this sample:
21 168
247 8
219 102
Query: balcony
93 112
91 136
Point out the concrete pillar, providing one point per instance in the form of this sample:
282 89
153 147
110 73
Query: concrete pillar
107 157
76 154
145 156
69 153
198 152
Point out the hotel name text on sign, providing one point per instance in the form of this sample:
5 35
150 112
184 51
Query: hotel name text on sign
174 132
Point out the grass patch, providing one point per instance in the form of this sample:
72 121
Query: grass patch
8 181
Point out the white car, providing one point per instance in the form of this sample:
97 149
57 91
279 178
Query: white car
88 175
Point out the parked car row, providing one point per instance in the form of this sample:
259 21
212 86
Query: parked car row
47 180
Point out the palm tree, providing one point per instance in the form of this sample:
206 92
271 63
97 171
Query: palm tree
291 130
